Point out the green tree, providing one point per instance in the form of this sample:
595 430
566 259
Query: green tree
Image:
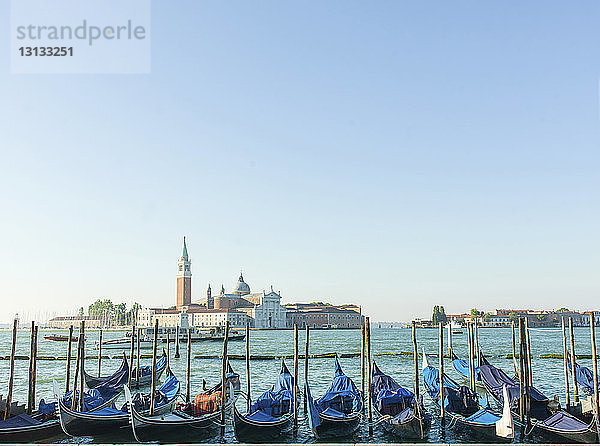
513 317
443 317
475 312
562 309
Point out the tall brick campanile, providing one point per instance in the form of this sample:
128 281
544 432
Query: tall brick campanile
184 279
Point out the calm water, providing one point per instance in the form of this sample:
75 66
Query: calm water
548 373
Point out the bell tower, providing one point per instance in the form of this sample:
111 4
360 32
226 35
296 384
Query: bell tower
184 279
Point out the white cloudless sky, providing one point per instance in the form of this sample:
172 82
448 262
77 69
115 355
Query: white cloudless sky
397 155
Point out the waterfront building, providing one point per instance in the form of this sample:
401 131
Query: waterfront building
191 316
75 321
184 278
320 315
264 310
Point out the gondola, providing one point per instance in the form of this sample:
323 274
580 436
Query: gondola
396 407
23 428
94 400
462 406
462 368
111 419
189 422
337 412
271 415
547 422
144 379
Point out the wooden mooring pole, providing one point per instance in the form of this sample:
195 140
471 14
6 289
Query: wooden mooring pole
153 384
296 356
81 377
74 392
573 359
369 377
362 362
131 355
521 374
566 364
139 353
188 376
68 373
441 355
176 342
11 377
248 387
30 402
100 355
595 365
224 378
306 365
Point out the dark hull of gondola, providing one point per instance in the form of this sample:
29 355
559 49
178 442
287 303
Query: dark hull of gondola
413 428
136 383
29 434
249 430
78 424
539 432
174 427
337 427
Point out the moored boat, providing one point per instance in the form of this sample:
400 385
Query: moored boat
141 379
110 419
462 406
337 413
396 407
271 415
552 424
187 423
43 424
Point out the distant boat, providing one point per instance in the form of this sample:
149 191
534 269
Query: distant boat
456 328
60 338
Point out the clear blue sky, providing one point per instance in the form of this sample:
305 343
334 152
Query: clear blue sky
393 154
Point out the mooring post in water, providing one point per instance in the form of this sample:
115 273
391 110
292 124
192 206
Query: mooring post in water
306 365
68 377
168 349
176 342
137 367
527 380
30 403
595 365
131 355
441 372
81 378
74 392
188 373
514 346
521 373
249 399
529 374
573 358
295 377
566 363
470 342
153 384
368 359
362 362
12 371
224 378
450 340
476 344
34 379
100 355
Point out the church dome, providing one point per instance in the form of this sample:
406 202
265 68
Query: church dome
241 288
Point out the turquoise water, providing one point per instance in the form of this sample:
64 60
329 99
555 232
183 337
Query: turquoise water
548 373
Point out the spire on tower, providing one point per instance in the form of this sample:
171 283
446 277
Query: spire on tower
184 254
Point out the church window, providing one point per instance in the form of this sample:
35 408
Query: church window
180 267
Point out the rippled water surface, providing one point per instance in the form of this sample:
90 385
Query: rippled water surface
548 373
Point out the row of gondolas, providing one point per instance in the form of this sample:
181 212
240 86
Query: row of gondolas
167 416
